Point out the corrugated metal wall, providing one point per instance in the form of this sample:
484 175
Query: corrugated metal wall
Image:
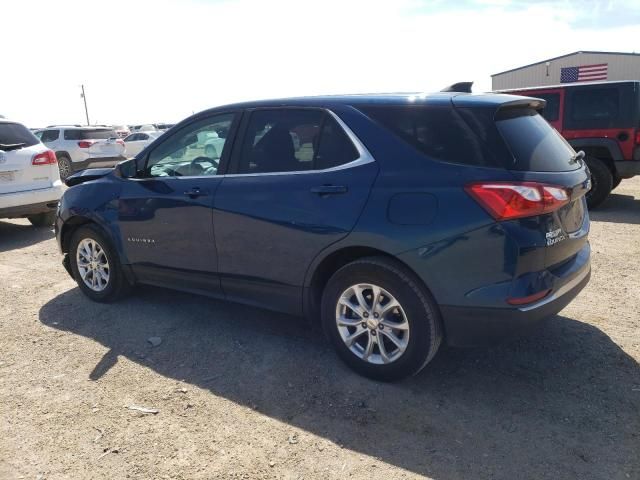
621 67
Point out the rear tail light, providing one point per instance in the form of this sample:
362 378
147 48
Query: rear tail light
509 200
85 143
45 158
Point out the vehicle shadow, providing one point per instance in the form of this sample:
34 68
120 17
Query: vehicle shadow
559 404
618 208
14 236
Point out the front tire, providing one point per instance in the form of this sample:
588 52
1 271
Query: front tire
381 320
96 266
601 182
45 219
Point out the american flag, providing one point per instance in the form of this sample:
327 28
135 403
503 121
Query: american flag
584 73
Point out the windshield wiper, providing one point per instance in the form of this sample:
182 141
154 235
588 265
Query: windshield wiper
7 147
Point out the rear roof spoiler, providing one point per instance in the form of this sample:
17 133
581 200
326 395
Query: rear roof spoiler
462 87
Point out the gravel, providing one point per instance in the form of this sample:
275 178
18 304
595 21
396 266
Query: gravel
245 393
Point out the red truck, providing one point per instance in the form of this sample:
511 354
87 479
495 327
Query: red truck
603 120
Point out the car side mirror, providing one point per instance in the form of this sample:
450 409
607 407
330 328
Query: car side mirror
127 169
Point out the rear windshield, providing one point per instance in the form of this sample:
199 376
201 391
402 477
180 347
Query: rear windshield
14 135
90 134
535 145
518 140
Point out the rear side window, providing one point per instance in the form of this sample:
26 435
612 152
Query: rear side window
280 141
601 105
551 111
50 136
613 106
14 135
534 144
72 134
438 132
293 140
334 146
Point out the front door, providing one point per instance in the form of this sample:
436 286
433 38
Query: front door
165 215
297 185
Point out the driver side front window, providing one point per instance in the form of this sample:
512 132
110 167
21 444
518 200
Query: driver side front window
193 151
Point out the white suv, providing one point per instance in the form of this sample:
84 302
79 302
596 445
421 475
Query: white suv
30 185
77 147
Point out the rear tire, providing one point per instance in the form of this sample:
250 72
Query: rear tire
601 182
414 324
103 290
45 219
65 167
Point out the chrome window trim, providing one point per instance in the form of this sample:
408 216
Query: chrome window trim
364 156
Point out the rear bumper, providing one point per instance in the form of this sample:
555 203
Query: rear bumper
30 202
628 168
475 326
97 162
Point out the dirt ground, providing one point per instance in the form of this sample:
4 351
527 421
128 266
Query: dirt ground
244 393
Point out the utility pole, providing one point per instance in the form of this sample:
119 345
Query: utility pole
84 97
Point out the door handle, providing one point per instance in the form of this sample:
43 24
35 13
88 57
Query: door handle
196 192
329 189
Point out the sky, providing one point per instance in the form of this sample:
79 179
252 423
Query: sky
159 61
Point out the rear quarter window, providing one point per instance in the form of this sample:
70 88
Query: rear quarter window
15 134
440 133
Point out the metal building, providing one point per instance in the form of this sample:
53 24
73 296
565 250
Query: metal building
570 68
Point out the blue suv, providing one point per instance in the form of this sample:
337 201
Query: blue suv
396 222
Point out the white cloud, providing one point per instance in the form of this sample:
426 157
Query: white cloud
159 61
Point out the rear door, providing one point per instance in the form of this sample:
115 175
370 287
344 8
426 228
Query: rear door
18 146
165 215
298 183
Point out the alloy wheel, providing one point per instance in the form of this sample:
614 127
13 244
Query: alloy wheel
64 167
93 265
372 323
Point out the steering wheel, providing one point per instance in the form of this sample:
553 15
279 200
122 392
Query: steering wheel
200 160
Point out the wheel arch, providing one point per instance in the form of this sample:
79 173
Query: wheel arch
71 225
324 267
75 222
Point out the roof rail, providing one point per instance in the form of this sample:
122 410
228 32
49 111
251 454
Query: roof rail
463 87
